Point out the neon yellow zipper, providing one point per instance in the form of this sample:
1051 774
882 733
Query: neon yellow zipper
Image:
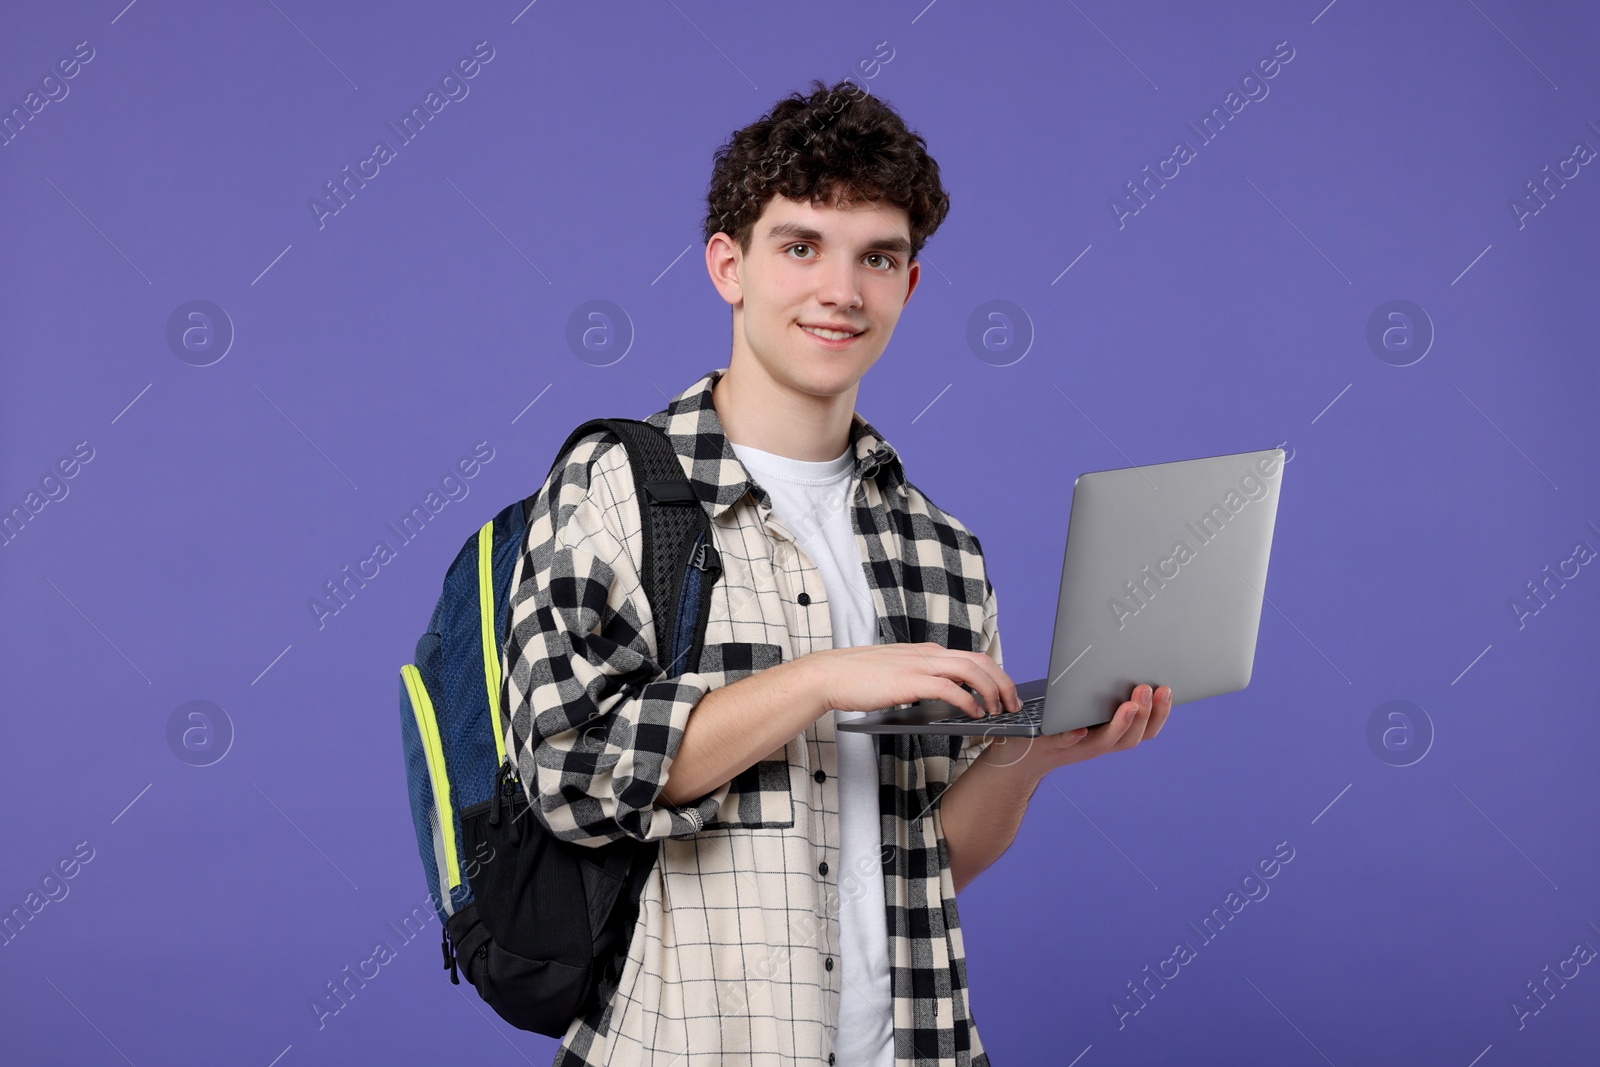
491 650
438 775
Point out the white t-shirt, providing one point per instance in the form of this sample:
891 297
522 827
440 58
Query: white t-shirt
811 500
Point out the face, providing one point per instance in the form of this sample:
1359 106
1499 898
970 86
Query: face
816 266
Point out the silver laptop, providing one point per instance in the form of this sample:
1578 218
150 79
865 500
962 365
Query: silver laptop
1162 583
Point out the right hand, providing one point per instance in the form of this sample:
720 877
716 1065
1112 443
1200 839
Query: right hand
874 677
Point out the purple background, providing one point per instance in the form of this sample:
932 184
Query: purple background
1227 315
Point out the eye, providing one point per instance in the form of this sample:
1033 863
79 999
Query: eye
791 248
889 263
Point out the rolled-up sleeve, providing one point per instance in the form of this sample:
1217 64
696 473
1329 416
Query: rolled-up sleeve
594 720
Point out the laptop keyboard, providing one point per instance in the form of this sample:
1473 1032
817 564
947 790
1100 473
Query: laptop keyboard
1030 714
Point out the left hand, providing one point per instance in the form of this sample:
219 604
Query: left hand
1140 718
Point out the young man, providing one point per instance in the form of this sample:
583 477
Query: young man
802 907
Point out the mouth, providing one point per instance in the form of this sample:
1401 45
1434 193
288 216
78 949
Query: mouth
830 337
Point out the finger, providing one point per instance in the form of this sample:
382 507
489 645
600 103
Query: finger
980 672
963 667
1111 731
998 691
1104 737
949 690
1068 738
1158 717
1135 732
1005 690
1136 721
1144 699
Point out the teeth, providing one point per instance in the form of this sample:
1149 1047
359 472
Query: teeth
832 335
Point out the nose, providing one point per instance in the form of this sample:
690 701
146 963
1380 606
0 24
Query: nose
840 287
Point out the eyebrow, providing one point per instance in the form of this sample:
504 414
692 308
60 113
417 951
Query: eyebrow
799 232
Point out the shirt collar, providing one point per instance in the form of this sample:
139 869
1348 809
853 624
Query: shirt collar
713 468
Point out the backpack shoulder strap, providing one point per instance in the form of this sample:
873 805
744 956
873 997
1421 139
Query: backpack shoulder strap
674 525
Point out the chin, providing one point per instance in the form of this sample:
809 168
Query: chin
827 373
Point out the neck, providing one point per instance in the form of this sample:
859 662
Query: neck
760 412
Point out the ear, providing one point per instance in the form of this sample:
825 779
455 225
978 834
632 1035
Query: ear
724 262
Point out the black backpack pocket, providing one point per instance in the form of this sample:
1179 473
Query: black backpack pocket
538 941
538 995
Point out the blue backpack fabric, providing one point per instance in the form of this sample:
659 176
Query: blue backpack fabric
541 926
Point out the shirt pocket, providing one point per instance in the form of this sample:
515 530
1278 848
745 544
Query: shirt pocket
761 796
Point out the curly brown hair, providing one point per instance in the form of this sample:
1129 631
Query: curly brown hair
839 145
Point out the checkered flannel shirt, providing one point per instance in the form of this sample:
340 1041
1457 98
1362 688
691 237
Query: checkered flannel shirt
733 958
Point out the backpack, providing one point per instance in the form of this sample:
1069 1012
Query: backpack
541 926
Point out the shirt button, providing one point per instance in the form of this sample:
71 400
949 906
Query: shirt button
804 599
828 963
822 868
821 776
